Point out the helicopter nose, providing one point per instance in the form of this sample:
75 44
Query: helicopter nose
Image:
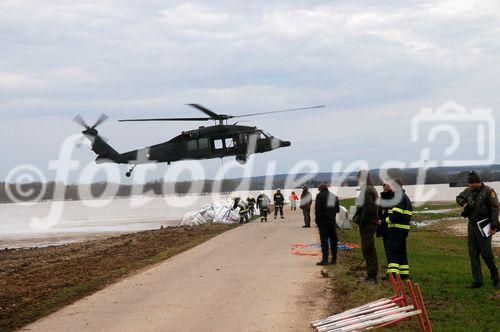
285 144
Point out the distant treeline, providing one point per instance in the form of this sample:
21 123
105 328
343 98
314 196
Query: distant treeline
60 191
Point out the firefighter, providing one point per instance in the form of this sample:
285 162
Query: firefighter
326 208
263 203
398 224
366 217
243 209
279 202
386 203
251 205
480 202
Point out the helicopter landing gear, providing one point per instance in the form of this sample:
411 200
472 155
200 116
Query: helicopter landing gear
241 159
129 173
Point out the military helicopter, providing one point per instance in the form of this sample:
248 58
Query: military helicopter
216 141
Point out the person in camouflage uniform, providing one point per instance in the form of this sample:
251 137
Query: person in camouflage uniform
480 202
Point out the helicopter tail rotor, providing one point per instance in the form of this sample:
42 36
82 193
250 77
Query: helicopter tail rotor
99 144
79 120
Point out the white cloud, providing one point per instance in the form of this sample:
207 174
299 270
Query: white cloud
11 81
149 58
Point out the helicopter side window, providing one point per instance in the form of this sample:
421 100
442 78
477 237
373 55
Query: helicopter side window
229 142
218 144
243 139
192 145
203 143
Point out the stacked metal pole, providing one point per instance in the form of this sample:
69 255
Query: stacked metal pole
380 313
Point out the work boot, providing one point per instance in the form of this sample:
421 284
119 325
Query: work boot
322 263
333 262
496 283
475 285
306 226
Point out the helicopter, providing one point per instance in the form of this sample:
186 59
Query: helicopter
215 141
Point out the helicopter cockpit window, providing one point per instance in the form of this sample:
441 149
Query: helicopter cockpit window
254 137
192 145
203 143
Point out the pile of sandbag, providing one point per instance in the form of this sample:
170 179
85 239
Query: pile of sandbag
219 212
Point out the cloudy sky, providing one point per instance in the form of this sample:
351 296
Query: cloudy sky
374 63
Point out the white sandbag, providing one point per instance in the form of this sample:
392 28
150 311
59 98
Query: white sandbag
218 212
343 220
187 219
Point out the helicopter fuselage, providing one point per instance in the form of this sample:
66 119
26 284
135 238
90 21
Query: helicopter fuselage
209 142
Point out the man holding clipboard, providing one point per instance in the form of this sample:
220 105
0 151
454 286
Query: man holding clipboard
481 207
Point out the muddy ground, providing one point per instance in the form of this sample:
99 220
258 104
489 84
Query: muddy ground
36 282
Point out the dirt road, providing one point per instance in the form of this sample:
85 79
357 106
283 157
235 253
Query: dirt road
243 280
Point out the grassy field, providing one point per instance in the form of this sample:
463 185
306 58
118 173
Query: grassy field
440 264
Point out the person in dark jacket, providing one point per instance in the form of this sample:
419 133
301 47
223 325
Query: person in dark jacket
279 202
386 197
326 208
366 217
398 223
480 202
305 205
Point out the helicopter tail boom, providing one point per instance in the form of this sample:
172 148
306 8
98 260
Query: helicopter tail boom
105 153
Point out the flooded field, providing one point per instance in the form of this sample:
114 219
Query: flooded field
80 220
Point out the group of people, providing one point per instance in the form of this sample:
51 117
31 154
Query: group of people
388 216
248 207
263 203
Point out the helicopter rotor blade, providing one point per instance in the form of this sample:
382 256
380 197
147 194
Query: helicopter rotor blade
166 119
78 119
103 117
280 111
205 110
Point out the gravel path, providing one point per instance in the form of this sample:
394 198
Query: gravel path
243 280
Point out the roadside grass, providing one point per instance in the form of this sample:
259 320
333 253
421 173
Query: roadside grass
424 212
439 263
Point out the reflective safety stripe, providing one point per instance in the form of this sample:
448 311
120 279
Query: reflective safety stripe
396 265
399 226
392 271
405 272
407 212
405 267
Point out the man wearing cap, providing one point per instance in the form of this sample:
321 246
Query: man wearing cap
480 202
